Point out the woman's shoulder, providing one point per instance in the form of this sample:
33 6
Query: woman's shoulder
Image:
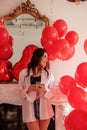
23 72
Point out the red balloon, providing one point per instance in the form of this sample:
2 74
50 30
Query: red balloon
5 72
61 27
27 53
6 52
81 74
50 50
49 33
70 53
4 36
76 98
62 48
9 64
43 43
85 46
24 60
66 84
17 68
76 120
72 37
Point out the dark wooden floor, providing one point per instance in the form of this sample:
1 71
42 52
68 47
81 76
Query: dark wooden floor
11 118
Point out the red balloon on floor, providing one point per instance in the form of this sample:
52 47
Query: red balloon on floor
76 120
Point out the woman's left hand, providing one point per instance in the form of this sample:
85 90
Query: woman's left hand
42 88
32 88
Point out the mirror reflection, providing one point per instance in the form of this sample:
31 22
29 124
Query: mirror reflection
28 31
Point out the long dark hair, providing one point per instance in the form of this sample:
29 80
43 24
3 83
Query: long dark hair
35 60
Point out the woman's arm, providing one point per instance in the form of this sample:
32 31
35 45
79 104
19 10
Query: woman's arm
22 89
26 92
51 87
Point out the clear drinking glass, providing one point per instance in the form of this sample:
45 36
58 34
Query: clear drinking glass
38 84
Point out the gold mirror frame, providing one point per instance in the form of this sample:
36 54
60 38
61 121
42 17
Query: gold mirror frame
26 8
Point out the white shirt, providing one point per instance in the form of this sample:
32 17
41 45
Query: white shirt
46 110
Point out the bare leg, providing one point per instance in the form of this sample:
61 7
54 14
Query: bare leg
44 124
33 125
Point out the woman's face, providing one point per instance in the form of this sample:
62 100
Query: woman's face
44 60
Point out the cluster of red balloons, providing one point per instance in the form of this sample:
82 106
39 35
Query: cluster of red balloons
52 40
77 97
75 90
7 71
58 42
6 52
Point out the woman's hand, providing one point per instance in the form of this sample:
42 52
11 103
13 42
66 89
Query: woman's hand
37 89
41 88
32 88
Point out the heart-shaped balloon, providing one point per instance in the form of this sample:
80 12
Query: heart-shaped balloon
24 60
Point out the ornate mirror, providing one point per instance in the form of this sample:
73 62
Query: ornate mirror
25 25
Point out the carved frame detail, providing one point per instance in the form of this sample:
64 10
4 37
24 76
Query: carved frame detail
26 8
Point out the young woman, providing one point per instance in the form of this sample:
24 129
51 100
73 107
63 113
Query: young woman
34 82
